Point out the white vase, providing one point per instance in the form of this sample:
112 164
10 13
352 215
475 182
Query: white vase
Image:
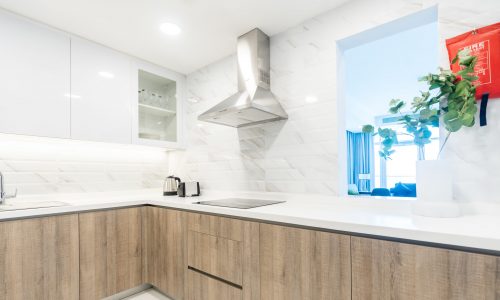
435 190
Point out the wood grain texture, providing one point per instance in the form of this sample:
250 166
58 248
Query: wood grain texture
303 264
227 248
391 270
217 226
39 258
201 287
216 255
165 253
110 252
251 263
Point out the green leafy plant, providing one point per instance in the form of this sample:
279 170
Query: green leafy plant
449 98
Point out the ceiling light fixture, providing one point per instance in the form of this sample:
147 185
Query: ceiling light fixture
170 28
107 75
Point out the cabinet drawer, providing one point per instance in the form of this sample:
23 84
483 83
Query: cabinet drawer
202 287
217 226
216 256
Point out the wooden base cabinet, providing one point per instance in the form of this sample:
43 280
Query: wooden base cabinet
110 252
223 257
391 270
164 250
303 264
192 256
39 258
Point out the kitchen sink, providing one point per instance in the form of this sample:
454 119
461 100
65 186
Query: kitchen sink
21 205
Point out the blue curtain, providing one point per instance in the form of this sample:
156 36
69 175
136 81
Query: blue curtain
359 158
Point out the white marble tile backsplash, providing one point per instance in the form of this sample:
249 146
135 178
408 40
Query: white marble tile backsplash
44 166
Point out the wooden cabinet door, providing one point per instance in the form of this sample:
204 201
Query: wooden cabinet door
164 250
390 270
39 258
110 252
303 264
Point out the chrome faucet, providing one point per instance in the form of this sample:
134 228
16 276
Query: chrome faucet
3 194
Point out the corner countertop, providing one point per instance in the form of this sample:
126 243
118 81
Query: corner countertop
478 228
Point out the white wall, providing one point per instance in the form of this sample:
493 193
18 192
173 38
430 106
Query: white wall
302 153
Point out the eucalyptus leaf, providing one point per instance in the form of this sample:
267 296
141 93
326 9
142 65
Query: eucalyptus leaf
396 105
452 121
425 113
368 129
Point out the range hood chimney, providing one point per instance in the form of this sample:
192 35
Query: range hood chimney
254 103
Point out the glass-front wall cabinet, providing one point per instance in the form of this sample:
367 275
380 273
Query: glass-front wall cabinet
157 107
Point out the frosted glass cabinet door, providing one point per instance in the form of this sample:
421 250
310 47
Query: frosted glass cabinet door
157 106
100 88
34 79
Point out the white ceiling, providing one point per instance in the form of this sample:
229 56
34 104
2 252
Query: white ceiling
209 27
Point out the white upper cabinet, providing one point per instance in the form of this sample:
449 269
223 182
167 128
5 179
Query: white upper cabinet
34 77
101 93
57 85
157 106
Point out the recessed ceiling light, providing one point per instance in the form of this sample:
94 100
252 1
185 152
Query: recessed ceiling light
170 28
106 74
311 99
193 100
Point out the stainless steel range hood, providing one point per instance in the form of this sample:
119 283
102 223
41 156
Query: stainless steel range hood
254 103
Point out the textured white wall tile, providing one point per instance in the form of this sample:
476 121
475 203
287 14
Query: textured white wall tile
27 189
23 177
33 166
45 166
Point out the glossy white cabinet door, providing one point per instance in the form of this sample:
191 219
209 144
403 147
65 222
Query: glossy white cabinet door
100 88
34 78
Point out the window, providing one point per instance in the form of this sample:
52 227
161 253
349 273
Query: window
374 67
401 166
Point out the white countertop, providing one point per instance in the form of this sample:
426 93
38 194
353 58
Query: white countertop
478 228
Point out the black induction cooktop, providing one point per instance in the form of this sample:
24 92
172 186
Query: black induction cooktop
239 202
